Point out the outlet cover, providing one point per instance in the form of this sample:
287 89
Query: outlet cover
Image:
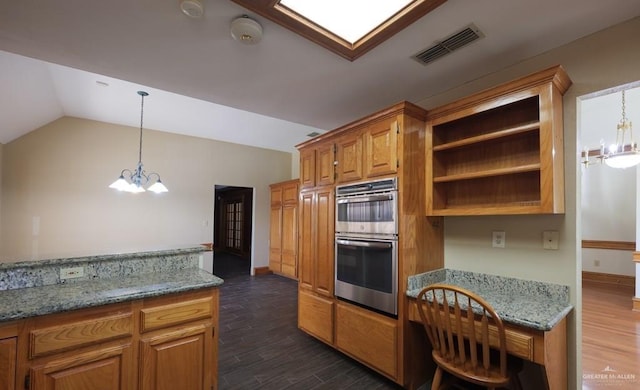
498 240
70 273
550 239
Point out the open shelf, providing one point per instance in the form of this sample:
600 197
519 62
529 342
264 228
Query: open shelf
499 151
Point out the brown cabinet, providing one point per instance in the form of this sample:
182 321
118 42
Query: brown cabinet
8 362
499 151
283 230
317 165
315 305
389 143
165 342
316 240
369 337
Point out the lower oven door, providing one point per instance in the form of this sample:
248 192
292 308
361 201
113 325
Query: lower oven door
367 272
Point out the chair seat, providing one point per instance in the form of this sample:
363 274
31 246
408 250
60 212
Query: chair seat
492 378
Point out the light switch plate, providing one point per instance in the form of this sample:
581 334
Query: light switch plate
550 239
498 240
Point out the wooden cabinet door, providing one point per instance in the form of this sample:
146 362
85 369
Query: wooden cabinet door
8 363
306 245
315 316
325 164
324 266
307 168
177 359
381 140
369 337
275 238
106 368
349 157
289 240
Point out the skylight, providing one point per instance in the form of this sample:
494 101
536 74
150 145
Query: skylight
348 28
349 19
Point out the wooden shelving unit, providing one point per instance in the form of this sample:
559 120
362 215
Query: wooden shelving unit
499 151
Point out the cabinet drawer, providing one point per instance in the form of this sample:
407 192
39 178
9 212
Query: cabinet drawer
176 313
315 316
80 333
369 337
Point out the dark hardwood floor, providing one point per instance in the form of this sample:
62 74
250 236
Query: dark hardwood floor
261 346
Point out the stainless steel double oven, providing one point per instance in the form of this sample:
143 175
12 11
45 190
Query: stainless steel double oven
366 269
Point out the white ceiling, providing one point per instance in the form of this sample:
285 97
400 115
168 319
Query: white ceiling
203 83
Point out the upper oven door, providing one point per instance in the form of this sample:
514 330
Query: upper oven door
374 213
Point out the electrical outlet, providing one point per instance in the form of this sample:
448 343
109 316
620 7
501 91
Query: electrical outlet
70 273
499 239
550 239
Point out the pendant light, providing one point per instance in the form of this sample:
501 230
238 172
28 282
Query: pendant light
624 153
134 181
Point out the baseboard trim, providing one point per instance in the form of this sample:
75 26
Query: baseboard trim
617 280
257 271
636 304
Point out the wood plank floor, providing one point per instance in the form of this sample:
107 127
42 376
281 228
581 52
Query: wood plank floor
261 346
610 338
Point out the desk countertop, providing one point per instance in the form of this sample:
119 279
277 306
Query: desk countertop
531 304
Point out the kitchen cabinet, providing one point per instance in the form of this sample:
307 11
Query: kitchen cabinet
317 165
8 355
388 143
283 230
316 240
369 337
164 342
499 151
349 157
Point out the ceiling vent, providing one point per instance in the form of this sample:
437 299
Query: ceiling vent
313 134
448 45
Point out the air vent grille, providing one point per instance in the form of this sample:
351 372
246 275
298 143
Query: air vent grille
313 134
448 45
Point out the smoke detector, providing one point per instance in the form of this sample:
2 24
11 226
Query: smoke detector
192 8
246 30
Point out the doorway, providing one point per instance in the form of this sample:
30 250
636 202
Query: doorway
607 232
232 230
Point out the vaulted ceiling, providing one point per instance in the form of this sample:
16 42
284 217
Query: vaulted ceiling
87 59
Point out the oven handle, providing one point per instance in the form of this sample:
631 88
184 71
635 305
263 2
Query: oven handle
366 244
364 199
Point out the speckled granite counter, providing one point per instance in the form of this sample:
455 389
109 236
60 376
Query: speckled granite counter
526 303
34 288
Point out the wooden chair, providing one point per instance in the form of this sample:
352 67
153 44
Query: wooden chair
462 347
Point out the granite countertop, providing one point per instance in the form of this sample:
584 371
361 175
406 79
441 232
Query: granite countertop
34 288
527 303
34 301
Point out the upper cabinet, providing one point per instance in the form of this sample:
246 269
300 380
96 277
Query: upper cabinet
381 140
499 151
317 165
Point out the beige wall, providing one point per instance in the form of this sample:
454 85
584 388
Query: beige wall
57 200
603 60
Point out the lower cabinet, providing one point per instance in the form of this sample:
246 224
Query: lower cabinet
104 368
176 360
166 342
369 337
8 363
315 315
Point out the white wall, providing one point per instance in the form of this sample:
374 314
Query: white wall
57 177
594 63
608 194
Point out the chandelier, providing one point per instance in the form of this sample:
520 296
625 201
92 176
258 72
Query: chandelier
624 153
135 180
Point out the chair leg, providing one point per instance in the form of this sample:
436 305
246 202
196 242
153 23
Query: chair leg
437 378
